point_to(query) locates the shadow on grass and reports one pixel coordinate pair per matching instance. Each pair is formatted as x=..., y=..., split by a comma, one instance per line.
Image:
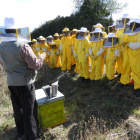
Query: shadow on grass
x=83, y=100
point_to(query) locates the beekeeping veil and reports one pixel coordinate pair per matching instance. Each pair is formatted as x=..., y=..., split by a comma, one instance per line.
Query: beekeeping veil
x=124, y=25
x=100, y=36
x=13, y=32
x=110, y=27
x=85, y=31
x=113, y=42
x=131, y=31
x=48, y=41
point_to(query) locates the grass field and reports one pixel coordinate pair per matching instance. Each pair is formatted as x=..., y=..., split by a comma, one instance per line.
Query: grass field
x=92, y=111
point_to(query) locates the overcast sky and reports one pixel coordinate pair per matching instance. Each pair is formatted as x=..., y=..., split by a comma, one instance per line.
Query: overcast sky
x=33, y=13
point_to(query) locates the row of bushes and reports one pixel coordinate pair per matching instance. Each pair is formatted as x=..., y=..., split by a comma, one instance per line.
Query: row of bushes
x=87, y=16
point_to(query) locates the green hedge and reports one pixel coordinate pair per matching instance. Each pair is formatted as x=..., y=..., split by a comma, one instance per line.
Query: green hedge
x=88, y=15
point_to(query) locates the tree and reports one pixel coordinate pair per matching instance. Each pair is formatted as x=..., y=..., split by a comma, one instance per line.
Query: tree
x=113, y=6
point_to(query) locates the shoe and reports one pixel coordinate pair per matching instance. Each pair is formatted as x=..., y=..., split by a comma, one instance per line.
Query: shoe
x=86, y=80
x=82, y=78
x=137, y=92
x=119, y=76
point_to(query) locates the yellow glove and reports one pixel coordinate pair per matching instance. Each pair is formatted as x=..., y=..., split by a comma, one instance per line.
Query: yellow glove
x=61, y=53
x=114, y=59
x=86, y=60
x=92, y=56
x=124, y=43
x=76, y=59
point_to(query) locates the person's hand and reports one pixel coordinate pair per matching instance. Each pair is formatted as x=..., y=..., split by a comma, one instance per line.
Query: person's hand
x=43, y=55
x=124, y=43
x=92, y=56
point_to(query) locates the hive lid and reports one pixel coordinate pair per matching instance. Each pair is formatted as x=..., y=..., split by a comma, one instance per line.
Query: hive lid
x=42, y=99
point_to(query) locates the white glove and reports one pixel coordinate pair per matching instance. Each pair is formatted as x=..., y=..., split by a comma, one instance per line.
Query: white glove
x=90, y=51
x=37, y=49
x=57, y=52
x=134, y=46
x=60, y=47
x=117, y=53
x=42, y=56
x=100, y=52
x=86, y=55
x=44, y=50
x=49, y=52
x=75, y=55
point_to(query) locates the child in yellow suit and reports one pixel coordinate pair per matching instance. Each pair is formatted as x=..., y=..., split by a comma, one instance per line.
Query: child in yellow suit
x=112, y=53
x=96, y=51
x=57, y=41
x=53, y=55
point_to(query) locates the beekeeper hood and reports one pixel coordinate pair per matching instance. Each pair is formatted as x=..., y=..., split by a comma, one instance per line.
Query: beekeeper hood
x=98, y=31
x=124, y=22
x=115, y=24
x=113, y=42
x=49, y=39
x=13, y=32
x=84, y=31
x=98, y=25
x=134, y=27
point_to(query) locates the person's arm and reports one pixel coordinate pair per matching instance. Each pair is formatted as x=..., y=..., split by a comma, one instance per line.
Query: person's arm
x=30, y=58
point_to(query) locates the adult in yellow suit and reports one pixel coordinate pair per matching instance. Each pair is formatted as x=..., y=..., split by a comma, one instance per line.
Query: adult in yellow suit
x=53, y=55
x=34, y=45
x=120, y=30
x=49, y=41
x=112, y=53
x=57, y=41
x=73, y=38
x=65, y=50
x=131, y=56
x=43, y=48
x=81, y=53
x=96, y=51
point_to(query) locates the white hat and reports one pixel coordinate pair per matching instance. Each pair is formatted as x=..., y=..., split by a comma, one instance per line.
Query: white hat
x=40, y=37
x=114, y=24
x=50, y=36
x=126, y=16
x=83, y=29
x=137, y=20
x=110, y=35
x=99, y=25
x=9, y=23
x=97, y=30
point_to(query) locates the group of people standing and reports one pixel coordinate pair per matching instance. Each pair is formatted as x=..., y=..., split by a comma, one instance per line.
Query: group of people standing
x=119, y=50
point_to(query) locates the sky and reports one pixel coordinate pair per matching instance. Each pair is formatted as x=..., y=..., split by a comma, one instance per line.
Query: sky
x=33, y=13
